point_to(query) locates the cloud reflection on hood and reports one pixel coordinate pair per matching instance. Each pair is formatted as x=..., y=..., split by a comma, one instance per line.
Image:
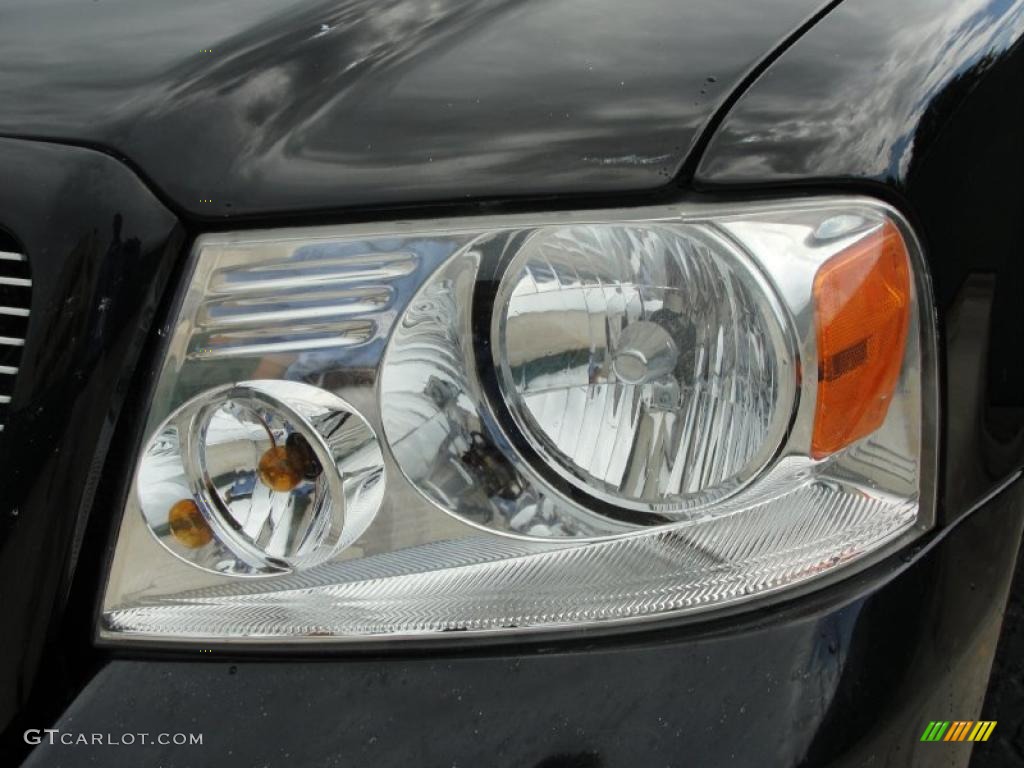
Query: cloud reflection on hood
x=858, y=86
x=307, y=104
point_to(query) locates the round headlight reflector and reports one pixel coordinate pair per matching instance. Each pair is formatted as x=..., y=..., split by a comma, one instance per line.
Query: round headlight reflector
x=261, y=477
x=648, y=365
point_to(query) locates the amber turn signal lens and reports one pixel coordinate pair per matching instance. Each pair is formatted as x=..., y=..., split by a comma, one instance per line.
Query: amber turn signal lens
x=188, y=525
x=862, y=312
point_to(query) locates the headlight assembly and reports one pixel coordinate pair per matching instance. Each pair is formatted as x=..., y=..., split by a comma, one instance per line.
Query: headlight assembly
x=528, y=422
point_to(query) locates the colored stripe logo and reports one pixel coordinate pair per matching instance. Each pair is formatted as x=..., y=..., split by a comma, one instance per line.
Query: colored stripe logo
x=959, y=730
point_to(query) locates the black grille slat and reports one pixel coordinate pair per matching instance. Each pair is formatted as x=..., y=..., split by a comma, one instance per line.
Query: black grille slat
x=10, y=356
x=13, y=326
x=15, y=299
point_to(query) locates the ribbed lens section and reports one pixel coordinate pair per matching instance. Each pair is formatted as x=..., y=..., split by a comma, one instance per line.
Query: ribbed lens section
x=644, y=363
x=729, y=559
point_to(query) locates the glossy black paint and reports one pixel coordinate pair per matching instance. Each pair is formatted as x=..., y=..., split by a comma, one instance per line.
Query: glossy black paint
x=101, y=250
x=863, y=93
x=919, y=102
x=850, y=677
x=922, y=102
x=271, y=107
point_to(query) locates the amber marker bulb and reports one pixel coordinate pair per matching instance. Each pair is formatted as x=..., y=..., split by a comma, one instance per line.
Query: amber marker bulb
x=278, y=470
x=188, y=525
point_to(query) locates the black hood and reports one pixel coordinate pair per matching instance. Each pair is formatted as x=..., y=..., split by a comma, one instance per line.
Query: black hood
x=259, y=106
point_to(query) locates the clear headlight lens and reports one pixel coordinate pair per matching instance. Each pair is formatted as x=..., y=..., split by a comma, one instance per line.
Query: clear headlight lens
x=527, y=422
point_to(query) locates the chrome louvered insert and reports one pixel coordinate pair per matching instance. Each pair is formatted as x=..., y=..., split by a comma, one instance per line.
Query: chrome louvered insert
x=298, y=301
x=15, y=299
